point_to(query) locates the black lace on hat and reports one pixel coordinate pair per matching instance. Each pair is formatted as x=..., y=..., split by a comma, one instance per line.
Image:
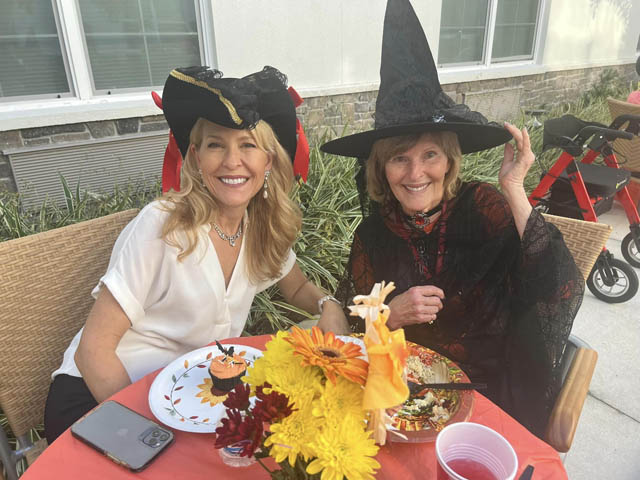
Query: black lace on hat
x=410, y=98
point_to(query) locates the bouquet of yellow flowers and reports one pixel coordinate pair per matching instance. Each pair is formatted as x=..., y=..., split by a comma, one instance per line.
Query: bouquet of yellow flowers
x=309, y=413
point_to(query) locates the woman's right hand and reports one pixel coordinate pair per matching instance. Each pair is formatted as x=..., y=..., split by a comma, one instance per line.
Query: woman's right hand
x=419, y=304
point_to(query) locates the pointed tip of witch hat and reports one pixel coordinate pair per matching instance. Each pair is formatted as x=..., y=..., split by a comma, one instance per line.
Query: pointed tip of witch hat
x=405, y=49
x=406, y=55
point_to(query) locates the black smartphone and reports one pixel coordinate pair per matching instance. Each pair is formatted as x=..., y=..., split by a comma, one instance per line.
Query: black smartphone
x=126, y=437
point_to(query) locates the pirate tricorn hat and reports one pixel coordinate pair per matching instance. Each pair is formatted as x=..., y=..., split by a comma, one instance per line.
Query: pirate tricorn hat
x=410, y=99
x=200, y=92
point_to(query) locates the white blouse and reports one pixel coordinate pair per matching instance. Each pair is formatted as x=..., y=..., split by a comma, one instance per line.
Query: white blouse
x=174, y=307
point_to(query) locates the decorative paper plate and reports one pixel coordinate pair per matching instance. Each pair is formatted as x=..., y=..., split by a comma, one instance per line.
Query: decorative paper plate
x=181, y=397
x=417, y=419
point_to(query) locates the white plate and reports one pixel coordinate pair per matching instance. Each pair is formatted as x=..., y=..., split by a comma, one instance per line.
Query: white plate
x=180, y=396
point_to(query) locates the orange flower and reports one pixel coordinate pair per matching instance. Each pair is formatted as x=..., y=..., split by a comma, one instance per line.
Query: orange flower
x=331, y=354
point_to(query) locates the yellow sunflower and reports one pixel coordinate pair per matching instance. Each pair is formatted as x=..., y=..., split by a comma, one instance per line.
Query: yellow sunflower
x=345, y=451
x=331, y=354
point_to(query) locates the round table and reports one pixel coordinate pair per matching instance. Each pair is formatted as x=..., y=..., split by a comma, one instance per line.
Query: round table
x=193, y=455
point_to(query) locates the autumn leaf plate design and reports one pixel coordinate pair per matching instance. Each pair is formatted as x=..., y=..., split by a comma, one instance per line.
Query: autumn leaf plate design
x=181, y=397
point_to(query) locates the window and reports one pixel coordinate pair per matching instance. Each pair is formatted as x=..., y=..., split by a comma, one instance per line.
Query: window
x=30, y=51
x=136, y=43
x=515, y=30
x=487, y=31
x=81, y=49
x=463, y=27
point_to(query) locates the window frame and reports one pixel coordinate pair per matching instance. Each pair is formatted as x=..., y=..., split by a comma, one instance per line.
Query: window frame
x=198, y=7
x=65, y=64
x=487, y=48
x=78, y=68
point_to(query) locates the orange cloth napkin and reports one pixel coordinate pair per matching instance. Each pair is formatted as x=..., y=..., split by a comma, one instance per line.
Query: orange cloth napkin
x=386, y=385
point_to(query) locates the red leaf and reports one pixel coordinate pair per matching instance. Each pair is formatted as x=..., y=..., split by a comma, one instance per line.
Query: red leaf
x=202, y=366
x=178, y=388
x=177, y=401
x=167, y=396
x=209, y=355
x=193, y=418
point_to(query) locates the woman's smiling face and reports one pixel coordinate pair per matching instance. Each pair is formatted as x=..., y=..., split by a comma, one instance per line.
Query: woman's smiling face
x=416, y=176
x=232, y=164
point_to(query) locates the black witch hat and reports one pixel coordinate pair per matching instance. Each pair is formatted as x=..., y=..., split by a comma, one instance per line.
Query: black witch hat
x=200, y=92
x=410, y=99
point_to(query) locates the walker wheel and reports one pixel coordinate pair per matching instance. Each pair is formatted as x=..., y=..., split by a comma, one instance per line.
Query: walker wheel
x=631, y=250
x=623, y=286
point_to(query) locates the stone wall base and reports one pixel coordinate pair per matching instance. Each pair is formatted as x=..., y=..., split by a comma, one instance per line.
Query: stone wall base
x=335, y=115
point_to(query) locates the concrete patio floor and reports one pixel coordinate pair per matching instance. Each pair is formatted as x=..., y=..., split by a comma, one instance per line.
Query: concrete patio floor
x=607, y=441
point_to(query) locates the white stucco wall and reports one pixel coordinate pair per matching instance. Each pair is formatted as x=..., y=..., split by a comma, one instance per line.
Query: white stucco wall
x=332, y=44
x=591, y=32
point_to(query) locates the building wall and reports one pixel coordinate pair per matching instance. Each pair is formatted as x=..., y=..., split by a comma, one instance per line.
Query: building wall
x=582, y=32
x=332, y=115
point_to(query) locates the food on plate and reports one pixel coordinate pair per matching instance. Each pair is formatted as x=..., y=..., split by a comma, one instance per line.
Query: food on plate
x=428, y=408
x=227, y=369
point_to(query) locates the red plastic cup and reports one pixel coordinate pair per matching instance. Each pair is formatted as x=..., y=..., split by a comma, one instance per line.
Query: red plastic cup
x=470, y=451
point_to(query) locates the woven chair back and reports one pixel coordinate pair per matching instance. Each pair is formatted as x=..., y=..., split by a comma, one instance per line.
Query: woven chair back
x=627, y=151
x=45, y=297
x=583, y=239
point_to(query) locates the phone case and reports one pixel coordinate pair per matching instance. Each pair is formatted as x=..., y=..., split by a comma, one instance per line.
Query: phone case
x=126, y=437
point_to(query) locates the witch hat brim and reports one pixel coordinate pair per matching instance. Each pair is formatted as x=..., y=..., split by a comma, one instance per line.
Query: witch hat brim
x=410, y=99
x=472, y=138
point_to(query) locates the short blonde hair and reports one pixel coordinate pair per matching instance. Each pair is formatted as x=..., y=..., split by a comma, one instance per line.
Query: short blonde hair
x=274, y=222
x=386, y=148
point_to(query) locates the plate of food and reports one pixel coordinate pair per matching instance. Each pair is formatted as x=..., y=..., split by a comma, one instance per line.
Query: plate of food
x=188, y=393
x=429, y=410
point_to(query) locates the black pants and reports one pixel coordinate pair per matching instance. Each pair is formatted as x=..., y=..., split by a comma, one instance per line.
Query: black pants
x=69, y=399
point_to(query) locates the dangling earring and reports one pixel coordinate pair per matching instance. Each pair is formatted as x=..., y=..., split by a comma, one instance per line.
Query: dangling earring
x=265, y=194
x=201, y=179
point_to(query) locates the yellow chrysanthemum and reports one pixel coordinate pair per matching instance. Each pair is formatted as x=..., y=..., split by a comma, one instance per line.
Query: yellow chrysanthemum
x=292, y=436
x=340, y=400
x=345, y=451
x=280, y=368
x=332, y=355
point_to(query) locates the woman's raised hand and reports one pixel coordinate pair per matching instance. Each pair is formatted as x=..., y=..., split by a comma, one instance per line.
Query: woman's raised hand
x=517, y=161
x=419, y=304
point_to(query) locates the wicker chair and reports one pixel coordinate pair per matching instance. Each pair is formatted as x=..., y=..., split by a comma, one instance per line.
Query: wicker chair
x=585, y=241
x=44, y=300
x=629, y=150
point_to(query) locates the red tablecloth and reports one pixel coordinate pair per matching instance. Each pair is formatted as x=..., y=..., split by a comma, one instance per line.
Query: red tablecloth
x=193, y=456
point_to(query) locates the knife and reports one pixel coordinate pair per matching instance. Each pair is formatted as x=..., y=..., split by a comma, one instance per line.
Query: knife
x=417, y=387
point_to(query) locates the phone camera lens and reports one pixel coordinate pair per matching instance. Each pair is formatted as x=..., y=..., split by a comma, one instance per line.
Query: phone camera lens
x=163, y=437
x=155, y=433
x=153, y=441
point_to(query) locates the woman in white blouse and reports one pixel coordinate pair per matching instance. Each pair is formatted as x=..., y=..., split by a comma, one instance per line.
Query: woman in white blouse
x=185, y=271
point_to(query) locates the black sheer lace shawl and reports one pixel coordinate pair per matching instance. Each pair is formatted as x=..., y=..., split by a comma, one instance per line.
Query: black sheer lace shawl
x=509, y=305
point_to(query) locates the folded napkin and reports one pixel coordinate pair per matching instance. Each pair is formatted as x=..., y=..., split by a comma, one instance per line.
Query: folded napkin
x=386, y=385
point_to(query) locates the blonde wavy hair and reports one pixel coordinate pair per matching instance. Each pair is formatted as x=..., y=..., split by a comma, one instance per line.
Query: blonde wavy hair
x=274, y=222
x=387, y=148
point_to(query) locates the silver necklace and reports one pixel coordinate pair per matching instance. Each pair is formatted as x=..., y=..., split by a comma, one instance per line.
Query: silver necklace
x=231, y=239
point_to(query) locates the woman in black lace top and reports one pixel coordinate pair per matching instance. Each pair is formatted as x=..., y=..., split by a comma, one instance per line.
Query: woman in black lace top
x=480, y=276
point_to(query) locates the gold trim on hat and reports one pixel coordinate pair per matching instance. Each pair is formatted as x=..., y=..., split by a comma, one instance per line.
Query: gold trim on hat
x=198, y=83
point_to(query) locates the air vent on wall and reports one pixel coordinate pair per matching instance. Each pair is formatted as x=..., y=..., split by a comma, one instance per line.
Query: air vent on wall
x=98, y=165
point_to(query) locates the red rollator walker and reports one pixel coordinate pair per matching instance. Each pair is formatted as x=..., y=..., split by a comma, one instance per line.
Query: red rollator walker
x=579, y=189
